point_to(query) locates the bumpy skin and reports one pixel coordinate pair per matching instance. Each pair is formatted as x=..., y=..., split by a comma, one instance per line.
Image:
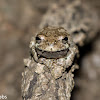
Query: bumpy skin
x=45, y=78
x=54, y=47
x=77, y=18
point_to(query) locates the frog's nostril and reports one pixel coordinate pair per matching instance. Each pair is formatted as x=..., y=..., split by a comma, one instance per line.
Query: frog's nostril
x=51, y=49
x=51, y=46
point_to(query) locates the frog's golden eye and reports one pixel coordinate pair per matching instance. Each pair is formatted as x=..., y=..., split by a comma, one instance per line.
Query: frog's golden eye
x=65, y=40
x=38, y=40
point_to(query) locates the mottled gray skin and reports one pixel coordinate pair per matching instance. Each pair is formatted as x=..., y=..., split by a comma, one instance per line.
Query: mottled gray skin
x=54, y=47
x=77, y=18
x=45, y=77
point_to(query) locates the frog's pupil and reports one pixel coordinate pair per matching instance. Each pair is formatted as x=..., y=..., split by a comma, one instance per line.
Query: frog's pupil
x=65, y=40
x=38, y=40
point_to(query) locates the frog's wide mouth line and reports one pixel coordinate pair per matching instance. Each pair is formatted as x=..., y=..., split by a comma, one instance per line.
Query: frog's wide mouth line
x=50, y=54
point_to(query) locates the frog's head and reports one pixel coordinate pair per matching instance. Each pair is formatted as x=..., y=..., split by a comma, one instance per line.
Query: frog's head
x=52, y=42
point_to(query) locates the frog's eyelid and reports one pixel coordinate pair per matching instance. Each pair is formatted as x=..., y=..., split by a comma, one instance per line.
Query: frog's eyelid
x=41, y=37
x=60, y=37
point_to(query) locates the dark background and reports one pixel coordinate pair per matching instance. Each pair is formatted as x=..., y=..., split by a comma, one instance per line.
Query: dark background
x=19, y=20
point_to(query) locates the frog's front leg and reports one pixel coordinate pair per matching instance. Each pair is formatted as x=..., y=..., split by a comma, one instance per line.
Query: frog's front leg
x=32, y=49
x=73, y=51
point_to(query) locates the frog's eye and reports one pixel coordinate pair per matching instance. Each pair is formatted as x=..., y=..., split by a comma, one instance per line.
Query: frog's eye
x=38, y=40
x=65, y=40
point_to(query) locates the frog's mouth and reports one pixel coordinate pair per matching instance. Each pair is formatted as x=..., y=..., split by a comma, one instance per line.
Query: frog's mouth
x=52, y=55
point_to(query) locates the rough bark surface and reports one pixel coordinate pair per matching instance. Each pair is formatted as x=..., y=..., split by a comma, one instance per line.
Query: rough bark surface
x=38, y=83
